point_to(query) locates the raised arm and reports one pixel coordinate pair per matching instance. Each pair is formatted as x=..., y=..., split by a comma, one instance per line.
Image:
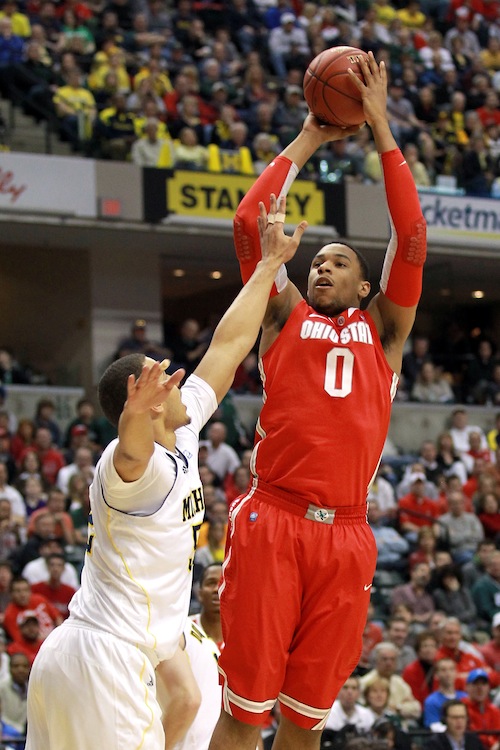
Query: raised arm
x=394, y=308
x=277, y=179
x=238, y=330
x=145, y=396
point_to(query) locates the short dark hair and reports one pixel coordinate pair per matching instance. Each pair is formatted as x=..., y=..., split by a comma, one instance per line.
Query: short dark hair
x=449, y=704
x=206, y=569
x=363, y=263
x=112, y=388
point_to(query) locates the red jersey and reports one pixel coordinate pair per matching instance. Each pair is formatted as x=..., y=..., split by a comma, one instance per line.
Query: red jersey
x=47, y=616
x=482, y=719
x=59, y=597
x=328, y=391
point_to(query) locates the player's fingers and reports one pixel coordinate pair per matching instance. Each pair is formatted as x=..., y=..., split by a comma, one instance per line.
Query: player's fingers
x=372, y=63
x=355, y=79
x=299, y=231
x=174, y=379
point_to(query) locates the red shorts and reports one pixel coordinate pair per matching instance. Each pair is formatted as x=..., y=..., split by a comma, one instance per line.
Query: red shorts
x=294, y=598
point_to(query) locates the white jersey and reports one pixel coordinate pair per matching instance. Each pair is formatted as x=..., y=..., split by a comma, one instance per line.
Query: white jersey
x=203, y=655
x=136, y=581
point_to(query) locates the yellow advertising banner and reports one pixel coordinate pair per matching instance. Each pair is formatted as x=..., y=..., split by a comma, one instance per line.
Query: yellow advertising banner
x=216, y=196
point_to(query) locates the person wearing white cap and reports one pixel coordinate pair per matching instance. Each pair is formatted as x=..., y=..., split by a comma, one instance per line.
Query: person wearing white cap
x=287, y=43
x=416, y=509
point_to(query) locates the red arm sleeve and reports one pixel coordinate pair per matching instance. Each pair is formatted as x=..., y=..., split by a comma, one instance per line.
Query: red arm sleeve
x=276, y=178
x=401, y=279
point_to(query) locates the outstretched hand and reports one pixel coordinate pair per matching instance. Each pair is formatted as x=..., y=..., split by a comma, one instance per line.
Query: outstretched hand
x=274, y=242
x=151, y=388
x=324, y=132
x=374, y=90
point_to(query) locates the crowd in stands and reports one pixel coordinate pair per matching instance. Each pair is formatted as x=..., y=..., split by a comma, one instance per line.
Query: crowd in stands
x=433, y=631
x=217, y=85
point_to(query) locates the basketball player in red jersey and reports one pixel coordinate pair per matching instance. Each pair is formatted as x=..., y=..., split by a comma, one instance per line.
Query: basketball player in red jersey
x=301, y=556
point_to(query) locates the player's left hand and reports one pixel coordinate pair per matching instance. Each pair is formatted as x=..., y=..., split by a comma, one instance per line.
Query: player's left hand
x=326, y=132
x=374, y=90
x=275, y=244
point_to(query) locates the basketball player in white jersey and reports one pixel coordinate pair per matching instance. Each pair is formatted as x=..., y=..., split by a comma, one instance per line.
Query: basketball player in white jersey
x=93, y=682
x=203, y=654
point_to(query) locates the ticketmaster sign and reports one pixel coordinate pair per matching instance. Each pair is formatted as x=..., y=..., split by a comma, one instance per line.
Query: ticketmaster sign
x=455, y=220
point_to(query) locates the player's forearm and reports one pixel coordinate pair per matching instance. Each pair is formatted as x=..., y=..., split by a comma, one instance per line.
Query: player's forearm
x=276, y=178
x=135, y=433
x=241, y=323
x=401, y=279
x=382, y=135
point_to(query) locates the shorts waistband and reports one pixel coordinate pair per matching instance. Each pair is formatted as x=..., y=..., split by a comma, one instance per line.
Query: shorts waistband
x=349, y=514
x=76, y=622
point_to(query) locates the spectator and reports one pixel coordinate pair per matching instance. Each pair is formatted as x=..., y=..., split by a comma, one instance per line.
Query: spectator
x=30, y=467
x=462, y=530
x=347, y=712
x=44, y=528
x=218, y=513
x=473, y=570
x=189, y=153
x=431, y=381
x=488, y=509
x=453, y=598
x=53, y=589
x=34, y=495
x=83, y=464
x=431, y=386
x=23, y=439
x=428, y=458
x=37, y=571
x=451, y=647
x=426, y=547
x=454, y=716
x=478, y=169
x=51, y=458
x=392, y=547
x=382, y=491
x=415, y=509
x=492, y=437
x=213, y=550
x=449, y=459
x=76, y=109
x=478, y=372
x=10, y=532
x=29, y=641
x=138, y=342
x=476, y=451
x=402, y=119
x=445, y=673
x=13, y=693
x=11, y=371
x=401, y=699
x=187, y=345
x=419, y=674
x=22, y=600
x=414, y=359
x=405, y=485
x=56, y=503
x=221, y=458
x=483, y=715
x=79, y=438
x=397, y=632
x=376, y=698
x=461, y=429
x=491, y=649
x=372, y=634
x=288, y=44
x=13, y=496
x=486, y=590
x=114, y=130
x=150, y=148
x=415, y=596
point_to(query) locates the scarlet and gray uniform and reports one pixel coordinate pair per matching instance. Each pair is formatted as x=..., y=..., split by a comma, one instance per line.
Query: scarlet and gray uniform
x=301, y=556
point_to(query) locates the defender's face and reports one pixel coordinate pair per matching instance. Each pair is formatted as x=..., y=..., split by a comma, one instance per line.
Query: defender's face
x=334, y=281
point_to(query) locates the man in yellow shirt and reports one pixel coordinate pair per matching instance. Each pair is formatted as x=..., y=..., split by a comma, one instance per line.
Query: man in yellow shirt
x=76, y=109
x=20, y=22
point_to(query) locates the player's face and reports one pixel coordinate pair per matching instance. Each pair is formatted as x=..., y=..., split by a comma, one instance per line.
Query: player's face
x=173, y=410
x=334, y=281
x=209, y=589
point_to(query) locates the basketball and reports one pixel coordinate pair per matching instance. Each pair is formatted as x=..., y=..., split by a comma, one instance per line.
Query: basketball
x=328, y=90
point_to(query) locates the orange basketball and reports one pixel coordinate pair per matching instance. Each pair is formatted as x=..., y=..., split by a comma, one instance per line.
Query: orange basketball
x=328, y=89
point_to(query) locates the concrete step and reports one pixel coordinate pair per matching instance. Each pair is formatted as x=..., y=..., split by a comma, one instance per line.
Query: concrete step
x=26, y=135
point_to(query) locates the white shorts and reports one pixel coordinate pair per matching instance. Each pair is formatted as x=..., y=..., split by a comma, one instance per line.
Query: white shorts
x=88, y=689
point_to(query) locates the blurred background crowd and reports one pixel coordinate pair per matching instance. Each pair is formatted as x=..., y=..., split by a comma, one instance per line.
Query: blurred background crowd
x=216, y=85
